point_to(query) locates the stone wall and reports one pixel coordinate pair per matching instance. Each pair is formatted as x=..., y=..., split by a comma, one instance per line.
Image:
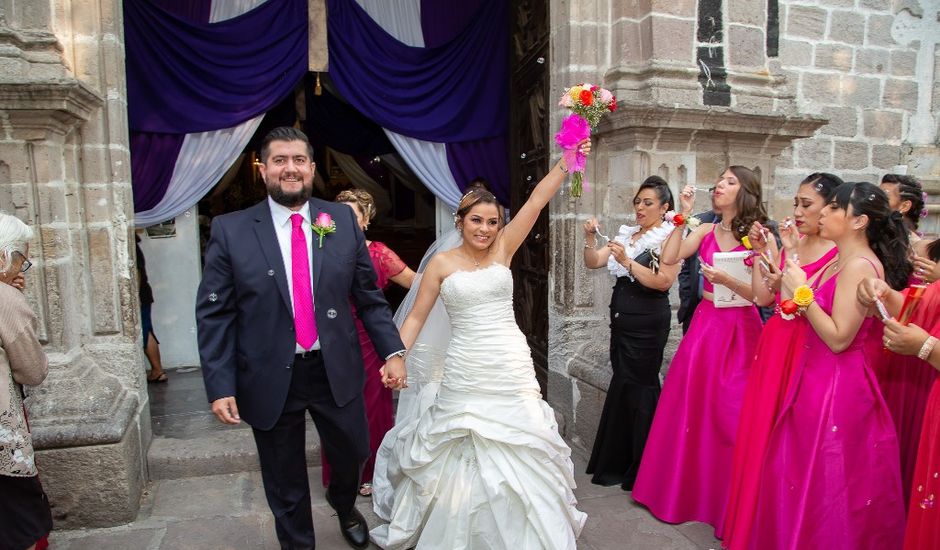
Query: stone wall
x=65, y=170
x=870, y=67
x=816, y=85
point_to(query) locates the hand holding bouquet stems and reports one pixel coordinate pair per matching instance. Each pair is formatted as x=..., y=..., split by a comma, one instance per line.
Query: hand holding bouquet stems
x=588, y=104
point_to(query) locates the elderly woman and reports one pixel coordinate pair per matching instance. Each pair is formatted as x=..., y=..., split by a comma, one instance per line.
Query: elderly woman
x=25, y=517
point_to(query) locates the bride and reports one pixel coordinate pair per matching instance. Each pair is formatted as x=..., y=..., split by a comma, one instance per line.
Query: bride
x=475, y=459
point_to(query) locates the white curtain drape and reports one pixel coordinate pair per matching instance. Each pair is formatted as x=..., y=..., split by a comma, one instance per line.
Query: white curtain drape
x=428, y=160
x=205, y=156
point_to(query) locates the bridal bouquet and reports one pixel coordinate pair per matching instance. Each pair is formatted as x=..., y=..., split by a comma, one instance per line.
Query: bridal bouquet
x=588, y=103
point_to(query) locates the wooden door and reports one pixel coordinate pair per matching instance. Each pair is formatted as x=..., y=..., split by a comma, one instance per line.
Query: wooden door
x=529, y=159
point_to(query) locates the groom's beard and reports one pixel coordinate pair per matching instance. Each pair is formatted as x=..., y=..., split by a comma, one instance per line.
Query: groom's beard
x=290, y=199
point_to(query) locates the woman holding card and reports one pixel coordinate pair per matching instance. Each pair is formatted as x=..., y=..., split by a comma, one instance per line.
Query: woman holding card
x=770, y=375
x=685, y=471
x=831, y=475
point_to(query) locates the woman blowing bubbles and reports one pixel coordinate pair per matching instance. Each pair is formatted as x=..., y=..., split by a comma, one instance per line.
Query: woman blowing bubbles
x=686, y=467
x=639, y=328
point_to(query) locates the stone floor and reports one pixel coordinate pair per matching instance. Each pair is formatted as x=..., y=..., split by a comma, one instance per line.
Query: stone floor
x=208, y=496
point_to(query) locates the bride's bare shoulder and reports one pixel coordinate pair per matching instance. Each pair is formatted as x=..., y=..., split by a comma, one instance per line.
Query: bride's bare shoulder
x=441, y=265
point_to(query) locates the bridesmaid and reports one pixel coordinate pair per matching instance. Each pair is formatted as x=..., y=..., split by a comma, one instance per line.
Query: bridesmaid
x=378, y=399
x=686, y=467
x=639, y=327
x=905, y=196
x=917, y=344
x=831, y=478
x=906, y=381
x=770, y=375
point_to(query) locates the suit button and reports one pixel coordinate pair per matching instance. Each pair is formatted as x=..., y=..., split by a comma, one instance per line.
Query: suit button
x=288, y=366
x=270, y=273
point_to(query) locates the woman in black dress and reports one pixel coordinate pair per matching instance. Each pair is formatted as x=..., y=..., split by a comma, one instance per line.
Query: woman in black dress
x=640, y=318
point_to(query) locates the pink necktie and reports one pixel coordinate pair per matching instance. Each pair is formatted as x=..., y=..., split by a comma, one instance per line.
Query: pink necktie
x=304, y=323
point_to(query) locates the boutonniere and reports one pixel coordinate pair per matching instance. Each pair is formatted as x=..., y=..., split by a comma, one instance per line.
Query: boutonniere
x=322, y=226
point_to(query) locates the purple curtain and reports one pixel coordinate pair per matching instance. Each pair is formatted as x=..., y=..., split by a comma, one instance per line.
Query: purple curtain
x=153, y=158
x=186, y=77
x=198, y=11
x=453, y=92
x=483, y=158
x=441, y=22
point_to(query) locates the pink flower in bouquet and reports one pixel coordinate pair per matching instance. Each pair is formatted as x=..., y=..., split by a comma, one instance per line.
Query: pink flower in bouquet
x=574, y=130
x=566, y=101
x=605, y=96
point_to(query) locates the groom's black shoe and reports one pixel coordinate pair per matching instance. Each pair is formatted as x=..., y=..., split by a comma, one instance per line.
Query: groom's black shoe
x=353, y=526
x=354, y=529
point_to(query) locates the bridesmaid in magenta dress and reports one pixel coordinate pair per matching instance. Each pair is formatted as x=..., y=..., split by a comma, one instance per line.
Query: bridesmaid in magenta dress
x=831, y=476
x=686, y=466
x=906, y=381
x=918, y=342
x=771, y=370
x=378, y=399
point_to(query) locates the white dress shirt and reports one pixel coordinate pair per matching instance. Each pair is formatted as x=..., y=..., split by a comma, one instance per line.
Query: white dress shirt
x=283, y=228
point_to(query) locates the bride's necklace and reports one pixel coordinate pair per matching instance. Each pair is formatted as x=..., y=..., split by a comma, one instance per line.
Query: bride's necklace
x=476, y=263
x=722, y=225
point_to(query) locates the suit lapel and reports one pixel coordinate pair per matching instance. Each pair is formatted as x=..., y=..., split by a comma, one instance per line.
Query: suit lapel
x=317, y=253
x=267, y=238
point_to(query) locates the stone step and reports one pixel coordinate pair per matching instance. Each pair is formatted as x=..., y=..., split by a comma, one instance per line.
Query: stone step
x=222, y=451
x=188, y=441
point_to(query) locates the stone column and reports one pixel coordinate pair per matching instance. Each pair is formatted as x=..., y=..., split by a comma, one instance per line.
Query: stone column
x=66, y=172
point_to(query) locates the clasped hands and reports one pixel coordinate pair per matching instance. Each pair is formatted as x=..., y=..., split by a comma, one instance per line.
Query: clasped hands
x=394, y=374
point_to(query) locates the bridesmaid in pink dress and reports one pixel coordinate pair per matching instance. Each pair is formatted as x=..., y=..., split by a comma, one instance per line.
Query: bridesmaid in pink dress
x=685, y=470
x=918, y=342
x=378, y=399
x=906, y=381
x=831, y=477
x=770, y=375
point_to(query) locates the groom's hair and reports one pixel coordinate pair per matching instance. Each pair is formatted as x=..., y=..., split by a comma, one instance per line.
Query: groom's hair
x=474, y=197
x=284, y=133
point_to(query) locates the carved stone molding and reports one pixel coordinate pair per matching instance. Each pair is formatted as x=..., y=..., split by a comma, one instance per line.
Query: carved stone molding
x=42, y=110
x=684, y=128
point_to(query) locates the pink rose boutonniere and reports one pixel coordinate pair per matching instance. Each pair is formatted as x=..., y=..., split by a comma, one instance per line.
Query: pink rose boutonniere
x=322, y=226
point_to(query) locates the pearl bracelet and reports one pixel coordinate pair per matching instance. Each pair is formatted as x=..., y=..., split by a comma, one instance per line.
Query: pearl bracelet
x=927, y=348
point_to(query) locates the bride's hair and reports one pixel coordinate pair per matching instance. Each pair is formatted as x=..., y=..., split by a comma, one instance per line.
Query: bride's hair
x=474, y=197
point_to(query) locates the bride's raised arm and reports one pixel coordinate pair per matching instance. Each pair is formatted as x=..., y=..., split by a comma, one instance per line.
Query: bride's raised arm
x=428, y=290
x=515, y=232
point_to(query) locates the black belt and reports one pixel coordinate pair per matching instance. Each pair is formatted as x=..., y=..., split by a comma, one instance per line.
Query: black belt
x=308, y=354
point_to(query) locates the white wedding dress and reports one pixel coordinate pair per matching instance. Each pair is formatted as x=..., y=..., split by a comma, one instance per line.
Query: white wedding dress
x=479, y=464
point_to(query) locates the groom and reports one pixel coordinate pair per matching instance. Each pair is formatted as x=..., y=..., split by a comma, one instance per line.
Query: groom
x=277, y=338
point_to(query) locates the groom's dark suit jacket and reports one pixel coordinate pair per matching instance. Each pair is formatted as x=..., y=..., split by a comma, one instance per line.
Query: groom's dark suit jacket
x=245, y=318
